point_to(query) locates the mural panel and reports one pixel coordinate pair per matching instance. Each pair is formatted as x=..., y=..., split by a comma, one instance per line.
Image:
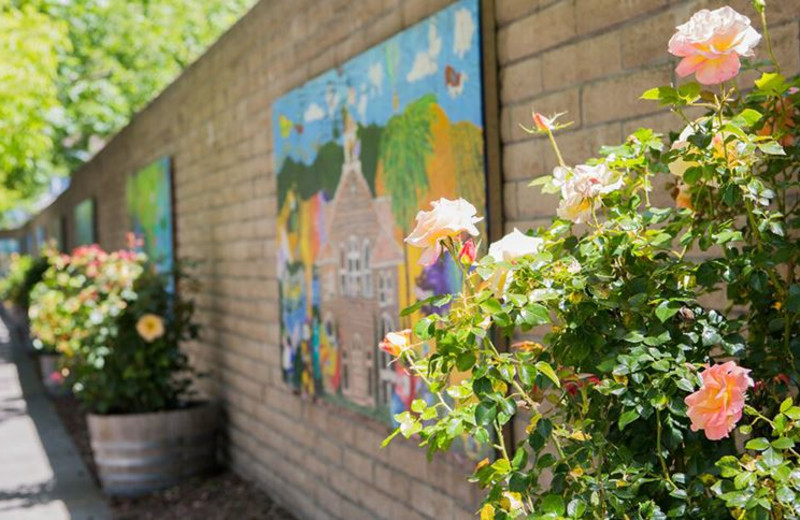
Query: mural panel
x=9, y=247
x=84, y=223
x=56, y=232
x=149, y=200
x=358, y=151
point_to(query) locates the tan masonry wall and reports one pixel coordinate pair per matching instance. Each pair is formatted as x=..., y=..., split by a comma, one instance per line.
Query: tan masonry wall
x=592, y=58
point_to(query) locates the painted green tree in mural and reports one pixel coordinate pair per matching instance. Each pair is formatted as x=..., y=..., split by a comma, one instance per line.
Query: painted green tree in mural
x=406, y=143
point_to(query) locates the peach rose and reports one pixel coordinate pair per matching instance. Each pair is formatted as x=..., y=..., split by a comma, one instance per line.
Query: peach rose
x=395, y=343
x=580, y=186
x=718, y=405
x=447, y=219
x=711, y=43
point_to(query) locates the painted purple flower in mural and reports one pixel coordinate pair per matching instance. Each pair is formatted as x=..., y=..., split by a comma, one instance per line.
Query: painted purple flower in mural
x=440, y=278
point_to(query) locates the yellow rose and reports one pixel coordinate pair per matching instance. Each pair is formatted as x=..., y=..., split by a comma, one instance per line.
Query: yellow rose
x=150, y=327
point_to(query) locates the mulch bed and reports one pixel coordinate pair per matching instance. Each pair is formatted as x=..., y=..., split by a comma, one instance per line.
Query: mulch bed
x=222, y=496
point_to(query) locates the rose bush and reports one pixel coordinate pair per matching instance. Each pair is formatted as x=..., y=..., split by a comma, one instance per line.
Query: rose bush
x=23, y=274
x=118, y=325
x=641, y=336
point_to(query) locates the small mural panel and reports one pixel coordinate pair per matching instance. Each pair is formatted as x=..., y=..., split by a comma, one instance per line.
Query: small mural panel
x=358, y=151
x=41, y=237
x=56, y=232
x=84, y=223
x=8, y=248
x=149, y=202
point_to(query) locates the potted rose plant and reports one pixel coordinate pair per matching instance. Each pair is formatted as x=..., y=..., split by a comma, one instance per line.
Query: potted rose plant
x=654, y=348
x=119, y=325
x=24, y=273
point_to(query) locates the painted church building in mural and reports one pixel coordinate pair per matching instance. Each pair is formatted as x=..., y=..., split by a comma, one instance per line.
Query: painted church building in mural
x=360, y=265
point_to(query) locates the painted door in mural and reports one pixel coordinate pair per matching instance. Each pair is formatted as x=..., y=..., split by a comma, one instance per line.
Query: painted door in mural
x=358, y=151
x=149, y=201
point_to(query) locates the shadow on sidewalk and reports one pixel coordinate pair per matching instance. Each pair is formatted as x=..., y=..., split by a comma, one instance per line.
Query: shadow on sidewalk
x=54, y=486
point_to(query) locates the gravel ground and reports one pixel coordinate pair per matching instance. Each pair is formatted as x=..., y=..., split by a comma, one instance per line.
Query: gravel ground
x=219, y=497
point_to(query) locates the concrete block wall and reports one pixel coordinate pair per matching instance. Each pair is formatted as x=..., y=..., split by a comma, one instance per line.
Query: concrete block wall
x=592, y=58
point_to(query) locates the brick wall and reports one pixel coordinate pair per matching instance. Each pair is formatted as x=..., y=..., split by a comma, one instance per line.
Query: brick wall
x=592, y=58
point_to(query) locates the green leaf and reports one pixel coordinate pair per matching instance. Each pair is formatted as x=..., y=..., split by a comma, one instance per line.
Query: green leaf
x=748, y=117
x=539, y=181
x=576, y=508
x=465, y=361
x=772, y=458
x=535, y=314
x=758, y=444
x=786, y=404
x=667, y=309
x=548, y=371
x=418, y=405
x=783, y=443
x=771, y=82
x=771, y=148
x=553, y=504
x=485, y=413
x=626, y=418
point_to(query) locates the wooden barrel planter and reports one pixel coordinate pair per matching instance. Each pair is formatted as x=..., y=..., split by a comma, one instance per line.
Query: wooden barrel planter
x=137, y=454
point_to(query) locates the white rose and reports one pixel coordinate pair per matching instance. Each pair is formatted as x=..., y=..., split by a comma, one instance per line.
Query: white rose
x=447, y=219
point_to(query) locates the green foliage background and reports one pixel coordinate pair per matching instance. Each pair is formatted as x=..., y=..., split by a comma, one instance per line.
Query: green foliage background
x=73, y=73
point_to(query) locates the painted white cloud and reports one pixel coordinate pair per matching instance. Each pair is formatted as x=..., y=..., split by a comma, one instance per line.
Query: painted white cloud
x=425, y=62
x=375, y=75
x=464, y=31
x=362, y=106
x=313, y=113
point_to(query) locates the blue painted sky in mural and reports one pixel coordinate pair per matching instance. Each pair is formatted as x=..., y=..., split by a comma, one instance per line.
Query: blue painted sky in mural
x=437, y=55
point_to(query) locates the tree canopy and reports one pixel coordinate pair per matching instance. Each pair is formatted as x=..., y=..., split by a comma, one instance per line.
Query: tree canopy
x=73, y=73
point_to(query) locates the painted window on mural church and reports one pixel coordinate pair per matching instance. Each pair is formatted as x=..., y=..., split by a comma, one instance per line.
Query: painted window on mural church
x=359, y=151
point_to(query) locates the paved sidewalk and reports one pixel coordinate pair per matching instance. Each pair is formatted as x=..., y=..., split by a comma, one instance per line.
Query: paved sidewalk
x=42, y=477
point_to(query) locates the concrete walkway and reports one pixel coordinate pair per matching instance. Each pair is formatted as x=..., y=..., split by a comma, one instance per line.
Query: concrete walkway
x=42, y=476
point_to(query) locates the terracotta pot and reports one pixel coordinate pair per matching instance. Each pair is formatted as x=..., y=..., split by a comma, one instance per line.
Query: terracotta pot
x=137, y=454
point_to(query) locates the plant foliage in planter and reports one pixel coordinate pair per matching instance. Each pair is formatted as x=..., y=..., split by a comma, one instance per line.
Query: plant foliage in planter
x=630, y=381
x=23, y=274
x=119, y=326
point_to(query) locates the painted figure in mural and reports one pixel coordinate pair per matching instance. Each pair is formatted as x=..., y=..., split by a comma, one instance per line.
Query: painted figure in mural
x=358, y=151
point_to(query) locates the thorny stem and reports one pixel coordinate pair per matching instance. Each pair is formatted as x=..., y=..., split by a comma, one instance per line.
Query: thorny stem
x=555, y=147
x=658, y=448
x=769, y=41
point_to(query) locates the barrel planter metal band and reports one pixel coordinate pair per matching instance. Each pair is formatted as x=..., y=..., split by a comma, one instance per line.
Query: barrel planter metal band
x=140, y=453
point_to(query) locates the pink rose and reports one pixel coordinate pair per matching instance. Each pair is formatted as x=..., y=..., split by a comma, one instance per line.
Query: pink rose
x=711, y=43
x=395, y=343
x=468, y=252
x=447, y=219
x=718, y=405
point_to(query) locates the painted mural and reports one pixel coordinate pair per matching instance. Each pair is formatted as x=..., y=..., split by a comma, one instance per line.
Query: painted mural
x=358, y=151
x=84, y=223
x=149, y=201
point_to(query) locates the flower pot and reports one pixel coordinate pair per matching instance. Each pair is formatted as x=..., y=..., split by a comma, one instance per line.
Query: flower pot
x=52, y=380
x=137, y=454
